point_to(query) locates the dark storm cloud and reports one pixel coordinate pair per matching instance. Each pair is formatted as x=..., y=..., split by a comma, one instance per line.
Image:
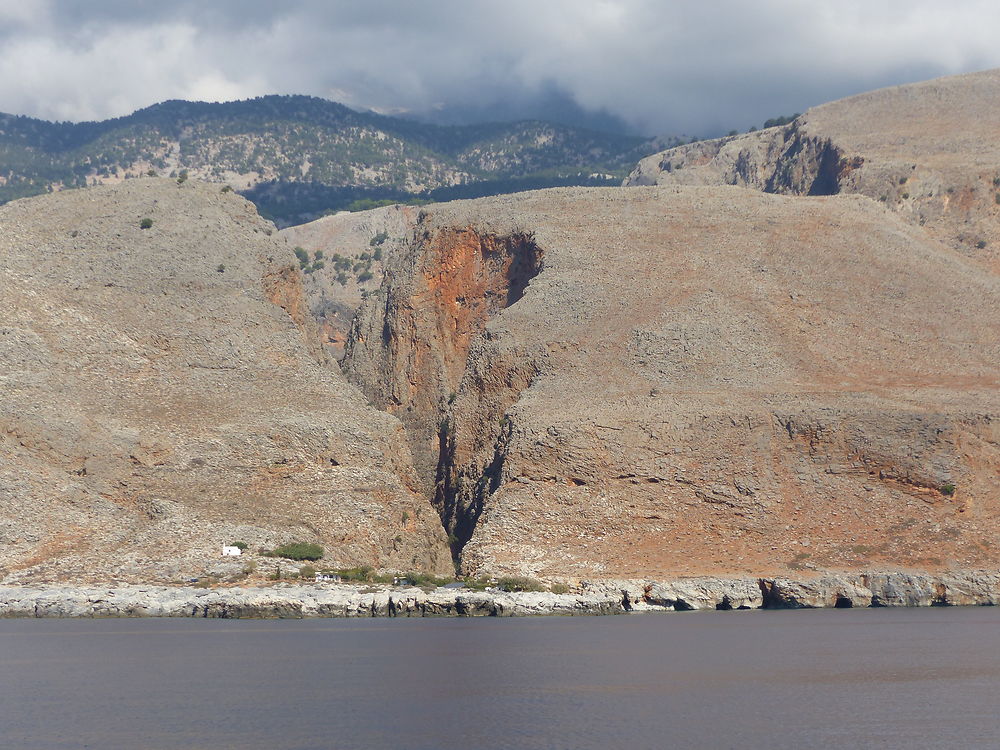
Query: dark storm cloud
x=663, y=67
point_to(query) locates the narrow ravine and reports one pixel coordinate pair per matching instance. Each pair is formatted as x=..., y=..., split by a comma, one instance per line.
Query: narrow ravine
x=420, y=348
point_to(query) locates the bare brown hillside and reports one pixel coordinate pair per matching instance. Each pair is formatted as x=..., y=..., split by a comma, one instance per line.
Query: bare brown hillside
x=928, y=151
x=164, y=393
x=653, y=382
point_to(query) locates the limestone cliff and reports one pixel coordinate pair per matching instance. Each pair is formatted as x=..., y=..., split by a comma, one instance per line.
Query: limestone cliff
x=691, y=380
x=165, y=393
x=928, y=151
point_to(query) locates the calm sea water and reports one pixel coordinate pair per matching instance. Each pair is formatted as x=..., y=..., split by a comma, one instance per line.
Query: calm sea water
x=927, y=678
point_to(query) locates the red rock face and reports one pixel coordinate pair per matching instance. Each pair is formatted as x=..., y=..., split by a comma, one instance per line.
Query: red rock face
x=698, y=381
x=467, y=280
x=411, y=358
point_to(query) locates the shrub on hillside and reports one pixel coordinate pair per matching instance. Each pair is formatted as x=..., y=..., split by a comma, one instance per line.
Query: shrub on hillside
x=298, y=551
x=517, y=583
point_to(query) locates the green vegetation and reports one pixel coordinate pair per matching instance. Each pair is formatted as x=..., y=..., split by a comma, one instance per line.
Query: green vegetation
x=357, y=160
x=360, y=266
x=307, y=265
x=363, y=574
x=296, y=551
x=366, y=204
x=559, y=588
x=782, y=120
x=948, y=489
x=478, y=584
x=241, y=546
x=518, y=583
x=426, y=579
x=145, y=223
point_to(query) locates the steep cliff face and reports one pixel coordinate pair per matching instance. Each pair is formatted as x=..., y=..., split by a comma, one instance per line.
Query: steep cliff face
x=164, y=393
x=696, y=381
x=784, y=160
x=420, y=349
x=344, y=259
x=927, y=151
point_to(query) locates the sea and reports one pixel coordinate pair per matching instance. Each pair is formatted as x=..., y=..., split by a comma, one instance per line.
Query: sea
x=850, y=678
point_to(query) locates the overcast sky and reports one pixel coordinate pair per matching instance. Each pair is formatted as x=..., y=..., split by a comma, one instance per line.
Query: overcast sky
x=696, y=67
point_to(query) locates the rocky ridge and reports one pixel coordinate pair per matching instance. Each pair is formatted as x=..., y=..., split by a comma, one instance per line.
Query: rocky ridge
x=927, y=151
x=688, y=395
x=165, y=392
x=666, y=382
x=298, y=157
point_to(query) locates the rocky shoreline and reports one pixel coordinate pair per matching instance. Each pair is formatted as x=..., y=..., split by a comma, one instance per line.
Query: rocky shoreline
x=871, y=589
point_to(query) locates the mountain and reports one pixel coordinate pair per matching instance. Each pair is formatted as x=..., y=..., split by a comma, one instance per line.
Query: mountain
x=164, y=394
x=927, y=151
x=785, y=379
x=297, y=157
x=654, y=382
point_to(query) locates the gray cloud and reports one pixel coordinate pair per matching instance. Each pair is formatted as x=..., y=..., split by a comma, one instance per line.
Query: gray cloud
x=662, y=67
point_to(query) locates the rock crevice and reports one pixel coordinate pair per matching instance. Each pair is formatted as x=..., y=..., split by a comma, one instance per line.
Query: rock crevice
x=421, y=348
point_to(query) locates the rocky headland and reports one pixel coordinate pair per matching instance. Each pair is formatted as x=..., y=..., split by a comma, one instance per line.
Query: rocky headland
x=926, y=151
x=779, y=391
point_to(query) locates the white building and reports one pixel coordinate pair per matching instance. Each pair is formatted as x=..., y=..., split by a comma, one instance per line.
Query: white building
x=228, y=551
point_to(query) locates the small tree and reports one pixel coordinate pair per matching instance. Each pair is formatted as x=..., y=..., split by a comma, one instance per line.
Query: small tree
x=299, y=551
x=145, y=223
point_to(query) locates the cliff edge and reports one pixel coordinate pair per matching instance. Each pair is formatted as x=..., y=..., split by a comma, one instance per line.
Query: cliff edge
x=928, y=151
x=669, y=381
x=165, y=393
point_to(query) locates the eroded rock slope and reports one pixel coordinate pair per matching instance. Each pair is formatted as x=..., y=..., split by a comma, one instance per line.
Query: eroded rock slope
x=164, y=392
x=929, y=151
x=658, y=382
x=344, y=259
